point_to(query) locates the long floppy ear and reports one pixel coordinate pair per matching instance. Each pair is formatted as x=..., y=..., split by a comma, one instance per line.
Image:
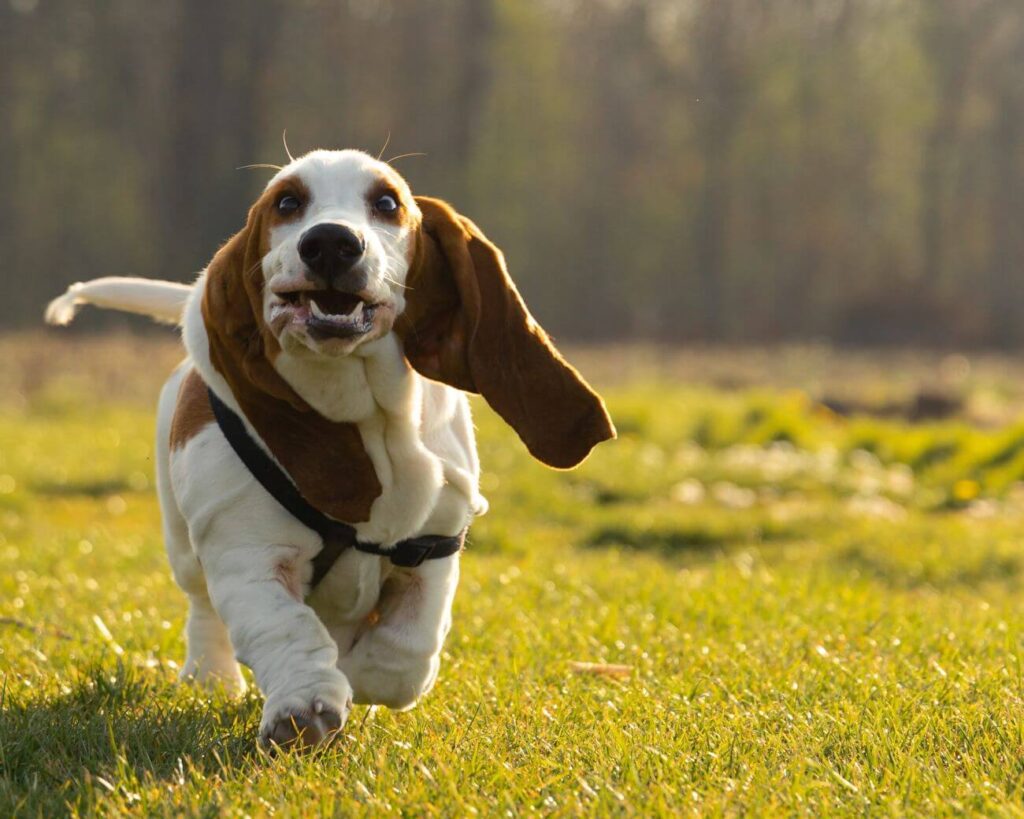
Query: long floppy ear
x=241, y=345
x=465, y=324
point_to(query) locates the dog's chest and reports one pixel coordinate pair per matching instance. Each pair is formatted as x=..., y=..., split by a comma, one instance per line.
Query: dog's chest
x=383, y=397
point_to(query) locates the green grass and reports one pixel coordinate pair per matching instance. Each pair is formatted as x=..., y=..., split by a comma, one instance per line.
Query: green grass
x=821, y=615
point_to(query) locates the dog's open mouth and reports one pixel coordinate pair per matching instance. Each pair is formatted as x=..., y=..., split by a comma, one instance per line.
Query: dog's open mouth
x=330, y=313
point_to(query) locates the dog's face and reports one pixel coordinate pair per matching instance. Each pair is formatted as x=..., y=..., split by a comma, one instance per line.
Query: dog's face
x=337, y=253
x=340, y=229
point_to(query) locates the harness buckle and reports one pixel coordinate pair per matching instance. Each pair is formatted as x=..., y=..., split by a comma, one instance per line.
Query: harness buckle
x=411, y=553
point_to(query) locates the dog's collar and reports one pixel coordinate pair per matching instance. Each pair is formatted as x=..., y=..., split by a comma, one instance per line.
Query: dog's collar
x=337, y=536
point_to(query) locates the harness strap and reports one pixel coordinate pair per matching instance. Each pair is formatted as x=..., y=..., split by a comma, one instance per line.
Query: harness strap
x=337, y=536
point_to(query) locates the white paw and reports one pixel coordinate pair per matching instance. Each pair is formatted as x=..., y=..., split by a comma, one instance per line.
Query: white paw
x=307, y=715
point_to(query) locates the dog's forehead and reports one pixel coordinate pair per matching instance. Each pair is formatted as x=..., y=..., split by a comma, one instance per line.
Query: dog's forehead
x=340, y=176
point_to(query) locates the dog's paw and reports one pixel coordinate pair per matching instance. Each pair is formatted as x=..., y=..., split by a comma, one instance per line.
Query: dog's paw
x=301, y=721
x=304, y=729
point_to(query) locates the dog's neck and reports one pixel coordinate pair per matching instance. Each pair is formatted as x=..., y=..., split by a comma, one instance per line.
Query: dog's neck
x=374, y=378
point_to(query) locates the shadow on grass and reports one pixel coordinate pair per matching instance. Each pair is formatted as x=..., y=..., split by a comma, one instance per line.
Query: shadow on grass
x=89, y=489
x=940, y=575
x=113, y=724
x=683, y=539
x=604, y=494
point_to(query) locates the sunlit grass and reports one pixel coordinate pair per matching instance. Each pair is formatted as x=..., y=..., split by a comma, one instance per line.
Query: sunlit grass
x=821, y=615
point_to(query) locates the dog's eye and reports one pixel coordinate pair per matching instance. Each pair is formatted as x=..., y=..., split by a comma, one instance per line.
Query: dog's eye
x=288, y=204
x=386, y=204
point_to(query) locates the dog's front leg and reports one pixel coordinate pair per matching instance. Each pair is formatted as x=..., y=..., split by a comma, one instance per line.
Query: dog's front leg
x=257, y=591
x=395, y=659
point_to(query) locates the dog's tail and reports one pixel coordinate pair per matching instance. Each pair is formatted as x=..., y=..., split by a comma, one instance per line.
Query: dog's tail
x=163, y=301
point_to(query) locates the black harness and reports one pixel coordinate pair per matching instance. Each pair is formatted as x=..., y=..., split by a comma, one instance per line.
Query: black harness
x=337, y=536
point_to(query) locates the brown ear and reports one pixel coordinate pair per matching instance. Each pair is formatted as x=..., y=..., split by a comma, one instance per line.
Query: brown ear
x=465, y=324
x=241, y=345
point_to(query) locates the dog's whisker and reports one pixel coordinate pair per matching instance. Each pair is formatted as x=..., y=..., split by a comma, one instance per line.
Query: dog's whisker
x=383, y=232
x=384, y=147
x=389, y=280
x=403, y=156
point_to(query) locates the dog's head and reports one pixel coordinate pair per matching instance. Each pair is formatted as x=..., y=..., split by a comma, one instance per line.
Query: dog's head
x=337, y=252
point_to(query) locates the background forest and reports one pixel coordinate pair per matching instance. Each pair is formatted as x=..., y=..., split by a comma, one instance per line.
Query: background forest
x=737, y=170
x=792, y=586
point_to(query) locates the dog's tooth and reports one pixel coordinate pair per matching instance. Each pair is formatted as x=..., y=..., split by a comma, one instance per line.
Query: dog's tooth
x=316, y=309
x=357, y=314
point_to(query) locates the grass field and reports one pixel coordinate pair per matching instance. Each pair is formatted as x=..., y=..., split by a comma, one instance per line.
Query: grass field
x=820, y=613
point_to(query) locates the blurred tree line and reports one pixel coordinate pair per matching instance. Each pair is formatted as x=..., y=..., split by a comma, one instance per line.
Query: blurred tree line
x=668, y=169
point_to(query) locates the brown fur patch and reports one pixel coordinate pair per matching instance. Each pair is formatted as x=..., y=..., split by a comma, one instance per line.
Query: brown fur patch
x=325, y=459
x=192, y=412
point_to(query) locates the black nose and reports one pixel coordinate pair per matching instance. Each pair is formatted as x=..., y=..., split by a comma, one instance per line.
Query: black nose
x=330, y=250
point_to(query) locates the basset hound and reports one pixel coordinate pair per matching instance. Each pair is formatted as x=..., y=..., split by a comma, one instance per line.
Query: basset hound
x=337, y=333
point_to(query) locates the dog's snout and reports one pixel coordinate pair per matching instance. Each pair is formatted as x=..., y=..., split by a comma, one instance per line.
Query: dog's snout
x=329, y=250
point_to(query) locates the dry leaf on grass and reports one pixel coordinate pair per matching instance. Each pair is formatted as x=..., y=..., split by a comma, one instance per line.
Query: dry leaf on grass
x=601, y=669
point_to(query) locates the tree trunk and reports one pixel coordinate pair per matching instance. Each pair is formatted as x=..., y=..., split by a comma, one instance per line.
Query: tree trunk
x=1006, y=267
x=473, y=83
x=184, y=164
x=947, y=42
x=718, y=114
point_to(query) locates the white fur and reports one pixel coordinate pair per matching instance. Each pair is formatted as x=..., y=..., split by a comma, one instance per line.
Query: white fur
x=162, y=301
x=240, y=557
x=338, y=183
